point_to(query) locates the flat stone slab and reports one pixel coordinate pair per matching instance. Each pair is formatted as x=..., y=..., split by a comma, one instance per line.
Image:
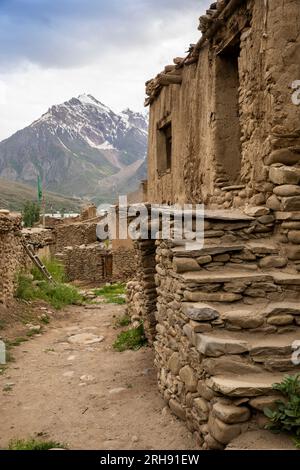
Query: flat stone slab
x=217, y=214
x=230, y=215
x=206, y=250
x=211, y=296
x=285, y=308
x=260, y=248
x=226, y=276
x=200, y=311
x=213, y=346
x=244, y=318
x=248, y=386
x=257, y=211
x=286, y=279
x=85, y=339
x=283, y=215
x=234, y=187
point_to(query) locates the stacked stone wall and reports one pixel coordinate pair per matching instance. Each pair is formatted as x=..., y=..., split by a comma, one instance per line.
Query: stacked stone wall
x=11, y=255
x=124, y=264
x=226, y=318
x=75, y=234
x=90, y=263
x=141, y=291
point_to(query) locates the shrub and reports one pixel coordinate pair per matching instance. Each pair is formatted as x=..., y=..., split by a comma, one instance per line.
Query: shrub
x=30, y=213
x=132, y=339
x=123, y=321
x=25, y=289
x=286, y=415
x=58, y=296
x=33, y=444
x=113, y=294
x=55, y=268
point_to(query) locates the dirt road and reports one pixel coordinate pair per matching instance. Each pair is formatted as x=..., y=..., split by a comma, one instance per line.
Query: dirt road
x=70, y=386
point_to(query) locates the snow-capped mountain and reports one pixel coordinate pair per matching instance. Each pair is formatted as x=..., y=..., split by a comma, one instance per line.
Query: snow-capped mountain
x=80, y=148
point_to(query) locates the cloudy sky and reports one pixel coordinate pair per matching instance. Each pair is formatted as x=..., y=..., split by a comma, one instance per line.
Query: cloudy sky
x=51, y=50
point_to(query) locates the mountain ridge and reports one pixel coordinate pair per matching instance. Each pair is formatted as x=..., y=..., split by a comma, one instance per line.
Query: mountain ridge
x=13, y=195
x=75, y=147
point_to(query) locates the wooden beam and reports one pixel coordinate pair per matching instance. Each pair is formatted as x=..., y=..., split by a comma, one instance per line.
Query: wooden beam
x=169, y=79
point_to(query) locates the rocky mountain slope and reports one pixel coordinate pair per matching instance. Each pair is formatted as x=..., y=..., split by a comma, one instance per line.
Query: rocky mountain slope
x=81, y=148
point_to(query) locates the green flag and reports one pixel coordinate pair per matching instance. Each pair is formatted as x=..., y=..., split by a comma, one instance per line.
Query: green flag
x=40, y=190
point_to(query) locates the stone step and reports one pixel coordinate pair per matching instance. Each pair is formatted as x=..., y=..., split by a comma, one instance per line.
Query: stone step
x=283, y=308
x=276, y=314
x=265, y=247
x=257, y=345
x=215, y=247
x=227, y=215
x=226, y=276
x=283, y=278
x=252, y=385
x=248, y=317
x=208, y=249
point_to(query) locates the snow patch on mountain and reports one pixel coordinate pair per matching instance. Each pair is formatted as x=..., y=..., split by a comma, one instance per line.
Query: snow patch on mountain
x=75, y=144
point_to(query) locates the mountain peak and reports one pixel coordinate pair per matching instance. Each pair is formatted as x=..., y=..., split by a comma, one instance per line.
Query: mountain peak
x=81, y=147
x=89, y=100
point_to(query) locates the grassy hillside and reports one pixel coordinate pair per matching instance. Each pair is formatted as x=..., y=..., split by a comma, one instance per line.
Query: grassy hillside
x=13, y=196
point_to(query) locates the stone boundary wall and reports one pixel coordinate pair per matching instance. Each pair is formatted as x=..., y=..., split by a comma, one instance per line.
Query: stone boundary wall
x=11, y=255
x=89, y=263
x=225, y=319
x=39, y=237
x=124, y=264
x=224, y=336
x=141, y=291
x=74, y=234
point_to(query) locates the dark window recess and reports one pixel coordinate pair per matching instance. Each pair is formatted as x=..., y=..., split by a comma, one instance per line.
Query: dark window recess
x=228, y=129
x=164, y=148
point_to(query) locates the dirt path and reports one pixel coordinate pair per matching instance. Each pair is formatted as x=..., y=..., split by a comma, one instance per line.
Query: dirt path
x=86, y=395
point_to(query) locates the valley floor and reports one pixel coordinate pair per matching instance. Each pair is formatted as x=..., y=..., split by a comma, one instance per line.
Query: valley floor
x=83, y=394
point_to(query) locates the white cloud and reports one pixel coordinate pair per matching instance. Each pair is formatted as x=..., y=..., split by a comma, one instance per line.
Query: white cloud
x=113, y=71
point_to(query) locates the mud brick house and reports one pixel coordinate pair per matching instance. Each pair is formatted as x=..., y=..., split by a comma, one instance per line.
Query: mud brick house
x=225, y=131
x=223, y=116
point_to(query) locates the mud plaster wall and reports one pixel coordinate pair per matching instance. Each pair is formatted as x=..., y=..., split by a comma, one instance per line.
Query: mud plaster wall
x=269, y=62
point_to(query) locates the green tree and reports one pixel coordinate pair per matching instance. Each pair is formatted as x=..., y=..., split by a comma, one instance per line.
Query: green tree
x=30, y=213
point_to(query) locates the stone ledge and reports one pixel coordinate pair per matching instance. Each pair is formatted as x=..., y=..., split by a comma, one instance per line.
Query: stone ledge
x=227, y=276
x=250, y=386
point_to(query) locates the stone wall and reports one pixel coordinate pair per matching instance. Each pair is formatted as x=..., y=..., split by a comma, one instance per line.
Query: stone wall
x=11, y=255
x=141, y=290
x=225, y=132
x=38, y=237
x=90, y=263
x=124, y=263
x=235, y=133
x=74, y=234
x=226, y=318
